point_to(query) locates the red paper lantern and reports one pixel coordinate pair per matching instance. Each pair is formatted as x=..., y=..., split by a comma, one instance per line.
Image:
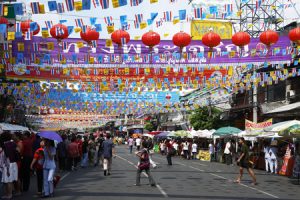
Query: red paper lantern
x=120, y=37
x=241, y=39
x=151, y=39
x=269, y=37
x=59, y=36
x=211, y=39
x=89, y=35
x=3, y=20
x=294, y=35
x=181, y=39
x=25, y=26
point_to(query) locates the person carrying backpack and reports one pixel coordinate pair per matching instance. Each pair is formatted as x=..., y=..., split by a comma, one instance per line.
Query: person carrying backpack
x=144, y=164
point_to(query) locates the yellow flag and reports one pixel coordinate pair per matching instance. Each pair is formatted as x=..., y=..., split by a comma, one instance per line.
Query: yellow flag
x=77, y=29
x=168, y=69
x=42, y=8
x=37, y=61
x=143, y=25
x=108, y=43
x=176, y=20
x=10, y=35
x=153, y=1
x=147, y=70
x=239, y=13
x=45, y=33
x=5, y=11
x=20, y=46
x=12, y=60
x=50, y=45
x=137, y=37
x=78, y=5
x=110, y=29
x=79, y=44
x=230, y=71
x=115, y=3
x=92, y=60
x=126, y=70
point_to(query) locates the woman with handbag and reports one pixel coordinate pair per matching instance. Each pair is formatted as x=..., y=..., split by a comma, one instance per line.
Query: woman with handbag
x=144, y=164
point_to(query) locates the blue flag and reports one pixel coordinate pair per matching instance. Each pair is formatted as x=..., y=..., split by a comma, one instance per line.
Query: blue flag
x=52, y=5
x=3, y=28
x=70, y=29
x=33, y=26
x=18, y=8
x=182, y=14
x=98, y=27
x=47, y=57
x=93, y=20
x=153, y=16
x=62, y=21
x=213, y=9
x=122, y=2
x=123, y=19
x=149, y=21
x=20, y=56
x=86, y=4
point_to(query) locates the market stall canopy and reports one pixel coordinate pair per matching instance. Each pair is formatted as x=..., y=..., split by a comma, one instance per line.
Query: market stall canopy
x=181, y=133
x=293, y=131
x=12, y=127
x=281, y=126
x=203, y=133
x=227, y=131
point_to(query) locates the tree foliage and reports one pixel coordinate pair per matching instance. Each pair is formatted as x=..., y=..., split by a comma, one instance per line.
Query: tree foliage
x=149, y=126
x=206, y=118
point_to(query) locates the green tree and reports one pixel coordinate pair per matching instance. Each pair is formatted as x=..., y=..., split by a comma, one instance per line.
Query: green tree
x=149, y=126
x=206, y=118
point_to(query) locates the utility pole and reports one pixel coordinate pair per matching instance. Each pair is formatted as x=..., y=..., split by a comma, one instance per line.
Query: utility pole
x=254, y=93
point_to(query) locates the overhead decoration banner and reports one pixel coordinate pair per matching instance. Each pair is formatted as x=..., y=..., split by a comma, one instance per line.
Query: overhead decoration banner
x=48, y=51
x=200, y=27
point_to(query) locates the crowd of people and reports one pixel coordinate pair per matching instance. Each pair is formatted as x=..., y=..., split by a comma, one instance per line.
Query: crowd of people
x=24, y=154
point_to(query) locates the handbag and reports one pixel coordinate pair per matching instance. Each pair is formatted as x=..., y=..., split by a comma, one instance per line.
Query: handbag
x=144, y=162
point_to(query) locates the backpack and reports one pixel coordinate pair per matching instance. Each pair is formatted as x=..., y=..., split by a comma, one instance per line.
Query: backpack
x=144, y=161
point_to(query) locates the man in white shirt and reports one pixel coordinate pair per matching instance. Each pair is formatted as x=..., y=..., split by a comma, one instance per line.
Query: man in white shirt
x=130, y=144
x=273, y=158
x=267, y=157
x=228, y=153
x=138, y=143
x=194, y=150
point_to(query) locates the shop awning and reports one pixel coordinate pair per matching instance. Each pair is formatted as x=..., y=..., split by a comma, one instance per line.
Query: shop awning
x=284, y=108
x=12, y=127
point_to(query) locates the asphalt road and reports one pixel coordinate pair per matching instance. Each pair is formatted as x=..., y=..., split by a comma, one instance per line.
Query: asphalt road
x=186, y=179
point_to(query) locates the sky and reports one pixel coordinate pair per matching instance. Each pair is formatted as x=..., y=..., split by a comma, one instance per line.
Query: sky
x=144, y=8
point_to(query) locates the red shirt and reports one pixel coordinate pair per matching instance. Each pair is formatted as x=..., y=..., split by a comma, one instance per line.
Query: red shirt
x=73, y=150
x=27, y=146
x=79, y=142
x=39, y=156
